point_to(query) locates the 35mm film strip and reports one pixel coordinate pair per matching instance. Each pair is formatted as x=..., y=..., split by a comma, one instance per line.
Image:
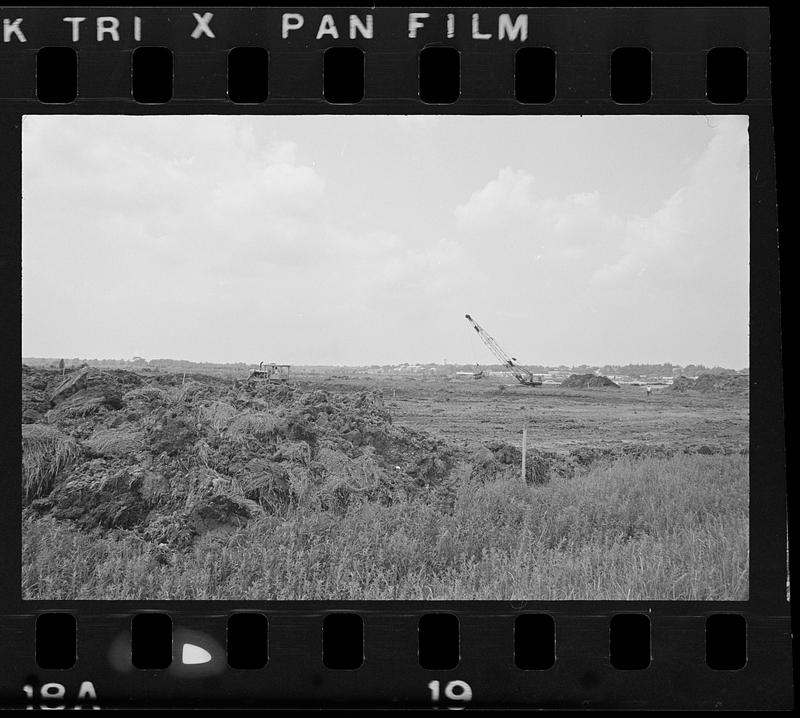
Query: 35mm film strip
x=437, y=56
x=262, y=268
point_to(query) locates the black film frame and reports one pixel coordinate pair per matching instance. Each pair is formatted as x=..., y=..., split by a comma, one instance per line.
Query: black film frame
x=583, y=39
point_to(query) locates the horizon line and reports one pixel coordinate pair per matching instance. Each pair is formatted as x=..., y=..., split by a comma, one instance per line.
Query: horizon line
x=374, y=364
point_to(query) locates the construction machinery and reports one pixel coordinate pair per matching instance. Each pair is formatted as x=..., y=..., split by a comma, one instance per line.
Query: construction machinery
x=477, y=374
x=271, y=372
x=521, y=374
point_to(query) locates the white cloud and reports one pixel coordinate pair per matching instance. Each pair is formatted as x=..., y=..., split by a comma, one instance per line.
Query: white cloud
x=702, y=229
x=571, y=255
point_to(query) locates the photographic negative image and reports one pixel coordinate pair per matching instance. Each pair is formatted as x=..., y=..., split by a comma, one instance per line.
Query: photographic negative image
x=385, y=357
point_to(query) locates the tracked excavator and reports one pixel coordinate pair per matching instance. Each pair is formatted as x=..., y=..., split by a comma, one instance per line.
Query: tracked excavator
x=521, y=374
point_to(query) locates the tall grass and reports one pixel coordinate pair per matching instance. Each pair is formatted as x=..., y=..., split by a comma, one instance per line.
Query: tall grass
x=46, y=452
x=650, y=528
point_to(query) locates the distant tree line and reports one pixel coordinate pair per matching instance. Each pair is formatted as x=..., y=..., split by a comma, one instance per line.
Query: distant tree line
x=663, y=369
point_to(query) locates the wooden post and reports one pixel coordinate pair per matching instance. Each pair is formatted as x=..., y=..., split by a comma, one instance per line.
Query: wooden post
x=524, y=450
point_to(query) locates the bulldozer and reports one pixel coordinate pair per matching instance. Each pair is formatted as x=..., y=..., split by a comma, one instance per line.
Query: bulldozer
x=271, y=372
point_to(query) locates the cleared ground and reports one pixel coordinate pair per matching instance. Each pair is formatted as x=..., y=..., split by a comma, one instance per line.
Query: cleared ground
x=465, y=411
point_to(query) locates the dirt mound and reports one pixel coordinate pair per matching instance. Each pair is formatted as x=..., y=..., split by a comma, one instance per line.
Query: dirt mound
x=714, y=383
x=172, y=457
x=587, y=381
x=47, y=396
x=35, y=397
x=497, y=458
x=99, y=494
x=682, y=383
x=70, y=386
x=218, y=510
x=35, y=403
x=723, y=383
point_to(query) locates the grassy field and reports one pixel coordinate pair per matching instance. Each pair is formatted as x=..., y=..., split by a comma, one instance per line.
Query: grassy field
x=648, y=528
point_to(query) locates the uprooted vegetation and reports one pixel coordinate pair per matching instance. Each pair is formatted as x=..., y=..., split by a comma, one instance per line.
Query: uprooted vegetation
x=175, y=460
x=162, y=470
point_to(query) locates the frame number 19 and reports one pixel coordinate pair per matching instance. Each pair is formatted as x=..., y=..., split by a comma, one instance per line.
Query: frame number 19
x=454, y=691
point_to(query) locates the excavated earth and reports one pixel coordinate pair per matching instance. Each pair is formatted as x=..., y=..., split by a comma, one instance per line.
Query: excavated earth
x=713, y=383
x=173, y=457
x=586, y=381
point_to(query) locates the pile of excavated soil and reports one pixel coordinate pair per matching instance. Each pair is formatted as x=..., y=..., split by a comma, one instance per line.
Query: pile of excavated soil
x=682, y=383
x=45, y=389
x=176, y=458
x=587, y=381
x=714, y=383
x=725, y=383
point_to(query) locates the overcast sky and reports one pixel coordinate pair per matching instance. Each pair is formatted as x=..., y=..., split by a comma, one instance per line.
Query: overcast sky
x=361, y=240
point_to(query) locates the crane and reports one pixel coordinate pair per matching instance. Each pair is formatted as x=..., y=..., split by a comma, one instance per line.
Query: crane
x=521, y=374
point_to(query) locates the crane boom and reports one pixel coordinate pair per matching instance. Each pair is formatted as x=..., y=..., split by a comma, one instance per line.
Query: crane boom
x=521, y=374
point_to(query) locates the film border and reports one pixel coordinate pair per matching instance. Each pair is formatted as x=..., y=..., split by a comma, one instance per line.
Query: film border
x=678, y=38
